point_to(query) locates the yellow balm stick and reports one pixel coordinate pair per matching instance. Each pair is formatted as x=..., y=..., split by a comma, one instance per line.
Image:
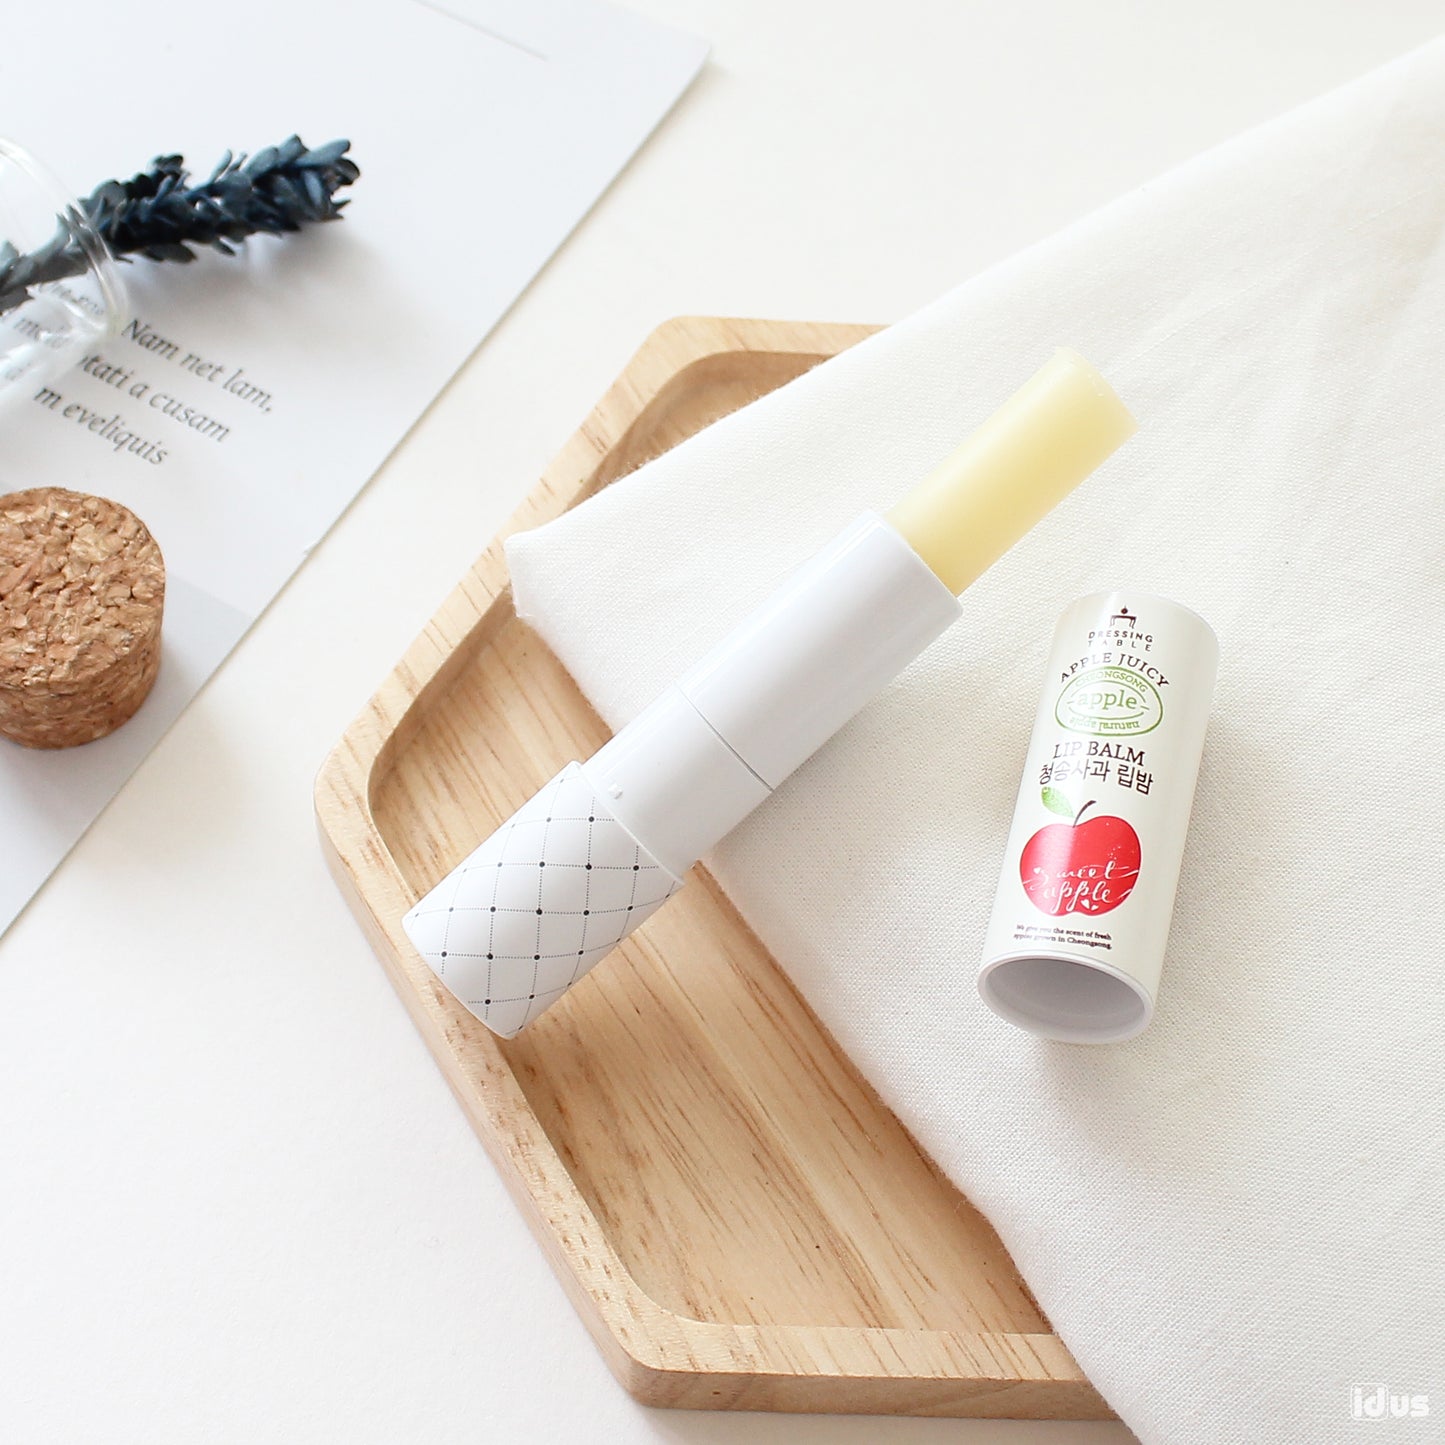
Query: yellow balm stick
x=1020, y=464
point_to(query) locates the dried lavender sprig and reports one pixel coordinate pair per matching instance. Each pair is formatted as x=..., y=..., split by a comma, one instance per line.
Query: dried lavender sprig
x=159, y=215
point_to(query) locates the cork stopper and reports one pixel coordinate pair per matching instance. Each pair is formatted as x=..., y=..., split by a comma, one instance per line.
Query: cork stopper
x=82, y=586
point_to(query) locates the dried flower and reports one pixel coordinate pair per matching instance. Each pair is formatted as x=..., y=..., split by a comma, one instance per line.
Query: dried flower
x=159, y=215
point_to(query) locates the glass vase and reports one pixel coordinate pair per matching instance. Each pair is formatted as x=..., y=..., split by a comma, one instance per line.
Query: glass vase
x=60, y=292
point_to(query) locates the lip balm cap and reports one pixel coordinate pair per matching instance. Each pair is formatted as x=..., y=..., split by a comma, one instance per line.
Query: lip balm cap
x=1010, y=473
x=1076, y=944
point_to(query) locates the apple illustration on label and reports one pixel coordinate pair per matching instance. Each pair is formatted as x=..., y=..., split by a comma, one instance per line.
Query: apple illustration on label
x=1079, y=867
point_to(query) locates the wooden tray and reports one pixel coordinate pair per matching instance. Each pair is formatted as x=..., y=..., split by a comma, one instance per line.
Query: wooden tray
x=736, y=1216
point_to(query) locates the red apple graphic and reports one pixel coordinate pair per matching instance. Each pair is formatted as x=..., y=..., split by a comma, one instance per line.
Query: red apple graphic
x=1079, y=867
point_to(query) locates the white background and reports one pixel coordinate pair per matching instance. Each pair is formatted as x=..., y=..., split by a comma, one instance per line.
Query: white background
x=238, y=1202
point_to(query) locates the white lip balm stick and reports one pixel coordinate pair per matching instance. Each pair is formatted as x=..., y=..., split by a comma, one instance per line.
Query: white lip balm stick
x=606, y=842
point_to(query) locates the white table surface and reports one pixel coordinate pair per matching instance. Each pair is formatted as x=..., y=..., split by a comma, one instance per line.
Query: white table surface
x=238, y=1202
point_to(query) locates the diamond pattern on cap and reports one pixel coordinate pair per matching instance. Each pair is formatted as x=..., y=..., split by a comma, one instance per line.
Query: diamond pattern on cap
x=554, y=890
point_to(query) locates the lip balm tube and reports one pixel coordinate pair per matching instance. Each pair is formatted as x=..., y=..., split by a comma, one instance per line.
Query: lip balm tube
x=607, y=841
x=1075, y=946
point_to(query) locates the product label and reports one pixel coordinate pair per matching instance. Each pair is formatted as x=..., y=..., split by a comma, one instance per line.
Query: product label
x=1091, y=867
x=1095, y=846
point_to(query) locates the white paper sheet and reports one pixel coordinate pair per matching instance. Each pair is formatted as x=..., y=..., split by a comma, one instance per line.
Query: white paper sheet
x=251, y=398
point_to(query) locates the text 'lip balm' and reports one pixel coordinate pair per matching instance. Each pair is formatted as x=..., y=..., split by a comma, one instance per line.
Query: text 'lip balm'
x=606, y=842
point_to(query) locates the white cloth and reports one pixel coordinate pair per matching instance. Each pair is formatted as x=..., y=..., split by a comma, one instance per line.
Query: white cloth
x=1236, y=1217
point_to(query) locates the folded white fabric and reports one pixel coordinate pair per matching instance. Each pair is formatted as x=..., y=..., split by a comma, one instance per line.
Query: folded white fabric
x=1236, y=1218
